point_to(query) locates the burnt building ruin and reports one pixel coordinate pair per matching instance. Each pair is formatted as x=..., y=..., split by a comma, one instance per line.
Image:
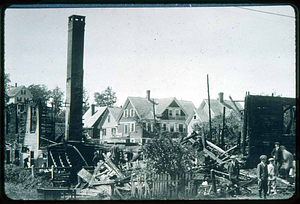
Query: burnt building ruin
x=267, y=120
x=74, y=88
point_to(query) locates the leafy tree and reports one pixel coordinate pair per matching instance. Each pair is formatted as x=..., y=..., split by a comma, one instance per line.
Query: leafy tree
x=232, y=126
x=106, y=98
x=57, y=97
x=40, y=92
x=166, y=155
x=6, y=86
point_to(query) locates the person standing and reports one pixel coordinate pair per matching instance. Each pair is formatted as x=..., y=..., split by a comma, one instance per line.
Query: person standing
x=271, y=177
x=277, y=155
x=234, y=171
x=262, y=176
x=287, y=162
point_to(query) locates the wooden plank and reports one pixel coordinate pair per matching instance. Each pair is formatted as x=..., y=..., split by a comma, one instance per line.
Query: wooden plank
x=215, y=147
x=85, y=175
x=106, y=189
x=132, y=186
x=113, y=166
x=95, y=172
x=109, y=182
x=52, y=159
x=213, y=156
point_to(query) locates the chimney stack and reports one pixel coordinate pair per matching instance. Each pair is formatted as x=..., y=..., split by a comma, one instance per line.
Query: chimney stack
x=221, y=97
x=93, y=109
x=148, y=95
x=74, y=83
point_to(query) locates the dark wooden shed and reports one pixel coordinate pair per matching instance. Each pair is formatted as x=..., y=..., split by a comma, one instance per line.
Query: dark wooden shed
x=268, y=120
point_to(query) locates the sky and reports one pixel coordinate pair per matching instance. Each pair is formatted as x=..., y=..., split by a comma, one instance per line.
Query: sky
x=168, y=50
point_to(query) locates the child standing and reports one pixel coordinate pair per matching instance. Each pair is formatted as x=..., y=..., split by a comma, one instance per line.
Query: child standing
x=262, y=176
x=271, y=177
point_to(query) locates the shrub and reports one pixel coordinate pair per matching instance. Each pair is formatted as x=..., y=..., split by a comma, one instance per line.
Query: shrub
x=167, y=155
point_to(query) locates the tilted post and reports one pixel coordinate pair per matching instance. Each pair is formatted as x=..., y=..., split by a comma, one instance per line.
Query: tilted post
x=213, y=179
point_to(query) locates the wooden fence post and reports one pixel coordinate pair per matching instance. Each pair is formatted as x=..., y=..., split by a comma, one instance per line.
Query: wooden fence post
x=213, y=179
x=239, y=141
x=52, y=171
x=132, y=186
x=32, y=171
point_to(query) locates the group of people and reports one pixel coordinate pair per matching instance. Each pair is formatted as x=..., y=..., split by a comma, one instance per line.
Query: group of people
x=281, y=163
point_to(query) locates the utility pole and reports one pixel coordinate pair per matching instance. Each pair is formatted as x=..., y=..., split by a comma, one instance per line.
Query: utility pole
x=153, y=103
x=209, y=114
x=223, y=128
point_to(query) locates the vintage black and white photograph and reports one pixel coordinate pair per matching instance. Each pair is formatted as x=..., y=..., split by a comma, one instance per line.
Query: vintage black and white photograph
x=150, y=102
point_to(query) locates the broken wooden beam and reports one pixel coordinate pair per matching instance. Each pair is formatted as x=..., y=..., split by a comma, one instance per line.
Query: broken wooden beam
x=215, y=147
x=228, y=150
x=95, y=172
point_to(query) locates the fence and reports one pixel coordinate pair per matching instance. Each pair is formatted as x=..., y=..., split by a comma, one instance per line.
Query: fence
x=163, y=186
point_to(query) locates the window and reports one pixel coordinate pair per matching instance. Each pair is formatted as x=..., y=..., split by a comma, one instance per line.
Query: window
x=126, y=113
x=132, y=140
x=177, y=112
x=126, y=129
x=104, y=132
x=170, y=112
x=132, y=127
x=164, y=127
x=171, y=127
x=148, y=127
x=132, y=113
x=108, y=118
x=195, y=117
x=176, y=127
x=180, y=127
x=19, y=99
x=113, y=131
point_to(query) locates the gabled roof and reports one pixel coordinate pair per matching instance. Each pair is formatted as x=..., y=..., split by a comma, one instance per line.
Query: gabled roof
x=15, y=90
x=144, y=108
x=188, y=106
x=217, y=107
x=163, y=103
x=202, y=115
x=115, y=111
x=89, y=120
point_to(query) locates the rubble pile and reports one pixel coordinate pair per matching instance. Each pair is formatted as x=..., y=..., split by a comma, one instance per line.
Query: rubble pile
x=111, y=179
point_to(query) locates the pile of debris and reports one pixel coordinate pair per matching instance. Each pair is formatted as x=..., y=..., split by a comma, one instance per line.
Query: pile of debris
x=106, y=179
x=211, y=180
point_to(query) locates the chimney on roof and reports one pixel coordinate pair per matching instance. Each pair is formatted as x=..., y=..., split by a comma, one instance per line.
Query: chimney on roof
x=221, y=97
x=92, y=109
x=16, y=84
x=148, y=95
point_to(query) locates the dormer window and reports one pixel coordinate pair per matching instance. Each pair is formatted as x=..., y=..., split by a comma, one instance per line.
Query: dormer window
x=132, y=112
x=126, y=113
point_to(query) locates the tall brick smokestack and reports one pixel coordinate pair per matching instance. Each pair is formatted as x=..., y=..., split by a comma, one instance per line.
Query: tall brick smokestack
x=74, y=89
